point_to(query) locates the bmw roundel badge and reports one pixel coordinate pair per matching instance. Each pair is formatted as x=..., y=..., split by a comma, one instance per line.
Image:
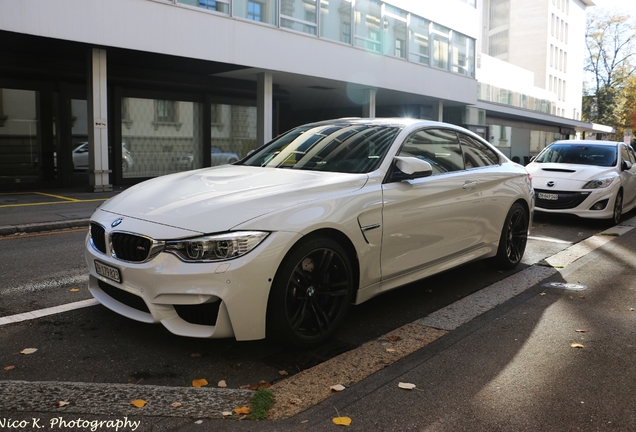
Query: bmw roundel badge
x=116, y=223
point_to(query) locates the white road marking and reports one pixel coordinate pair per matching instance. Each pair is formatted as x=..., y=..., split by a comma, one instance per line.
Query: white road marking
x=48, y=311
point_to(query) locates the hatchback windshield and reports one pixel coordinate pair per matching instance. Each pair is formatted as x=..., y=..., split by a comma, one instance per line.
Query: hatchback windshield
x=346, y=148
x=579, y=154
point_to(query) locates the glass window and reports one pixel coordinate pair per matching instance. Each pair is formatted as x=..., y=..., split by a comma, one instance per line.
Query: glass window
x=346, y=148
x=215, y=5
x=476, y=154
x=299, y=15
x=335, y=20
x=441, y=46
x=580, y=154
x=157, y=134
x=256, y=10
x=394, y=31
x=439, y=147
x=20, y=143
x=460, y=54
x=368, y=25
x=419, y=50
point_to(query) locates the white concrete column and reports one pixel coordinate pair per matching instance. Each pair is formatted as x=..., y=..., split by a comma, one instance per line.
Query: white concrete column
x=264, y=108
x=438, y=111
x=98, y=122
x=368, y=109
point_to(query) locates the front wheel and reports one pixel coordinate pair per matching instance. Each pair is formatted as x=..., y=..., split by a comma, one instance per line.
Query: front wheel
x=618, y=209
x=514, y=236
x=311, y=293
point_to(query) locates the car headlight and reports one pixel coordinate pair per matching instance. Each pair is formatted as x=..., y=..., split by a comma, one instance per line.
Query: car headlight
x=217, y=247
x=599, y=183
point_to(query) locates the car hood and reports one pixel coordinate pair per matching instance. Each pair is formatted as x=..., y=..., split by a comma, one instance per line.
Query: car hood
x=220, y=198
x=565, y=176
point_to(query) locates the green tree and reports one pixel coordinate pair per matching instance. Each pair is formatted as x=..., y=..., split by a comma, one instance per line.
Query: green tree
x=610, y=40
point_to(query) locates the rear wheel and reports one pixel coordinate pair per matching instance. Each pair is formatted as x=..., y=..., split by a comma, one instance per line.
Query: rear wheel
x=514, y=236
x=311, y=293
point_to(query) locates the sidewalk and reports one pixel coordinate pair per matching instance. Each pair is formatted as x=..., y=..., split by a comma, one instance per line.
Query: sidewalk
x=47, y=210
x=519, y=355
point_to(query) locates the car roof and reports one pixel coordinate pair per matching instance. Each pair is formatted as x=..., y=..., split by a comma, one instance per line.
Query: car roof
x=383, y=121
x=588, y=142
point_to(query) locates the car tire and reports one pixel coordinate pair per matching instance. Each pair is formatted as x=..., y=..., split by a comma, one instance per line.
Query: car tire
x=311, y=293
x=513, y=239
x=618, y=209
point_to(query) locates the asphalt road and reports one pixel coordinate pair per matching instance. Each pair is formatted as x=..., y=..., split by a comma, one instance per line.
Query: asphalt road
x=95, y=345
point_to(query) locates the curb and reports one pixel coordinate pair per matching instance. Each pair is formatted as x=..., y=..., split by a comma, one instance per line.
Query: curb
x=7, y=230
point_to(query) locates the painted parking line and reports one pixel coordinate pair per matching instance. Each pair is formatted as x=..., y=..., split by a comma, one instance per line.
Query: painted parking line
x=12, y=319
x=62, y=200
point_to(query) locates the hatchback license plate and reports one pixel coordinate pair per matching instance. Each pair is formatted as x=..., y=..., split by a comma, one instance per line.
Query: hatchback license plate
x=108, y=272
x=548, y=196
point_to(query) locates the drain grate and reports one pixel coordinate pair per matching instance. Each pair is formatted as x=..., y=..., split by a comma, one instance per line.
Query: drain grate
x=297, y=360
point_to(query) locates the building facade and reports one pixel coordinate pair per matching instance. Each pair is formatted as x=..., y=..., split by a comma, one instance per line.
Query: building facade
x=160, y=86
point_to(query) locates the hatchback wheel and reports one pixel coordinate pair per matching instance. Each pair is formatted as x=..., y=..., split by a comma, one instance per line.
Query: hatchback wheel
x=618, y=208
x=311, y=293
x=514, y=236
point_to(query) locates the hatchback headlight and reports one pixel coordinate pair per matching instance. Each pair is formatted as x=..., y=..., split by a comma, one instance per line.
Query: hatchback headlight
x=217, y=247
x=599, y=183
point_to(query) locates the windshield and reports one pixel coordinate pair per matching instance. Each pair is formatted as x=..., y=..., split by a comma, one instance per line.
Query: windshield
x=342, y=148
x=580, y=154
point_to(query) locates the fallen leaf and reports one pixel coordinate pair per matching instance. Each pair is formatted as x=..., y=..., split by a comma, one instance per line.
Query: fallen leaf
x=295, y=401
x=62, y=404
x=260, y=385
x=199, y=382
x=582, y=297
x=226, y=413
x=406, y=386
x=542, y=294
x=391, y=350
x=243, y=410
x=283, y=373
x=337, y=387
x=139, y=403
x=342, y=421
x=74, y=289
x=582, y=331
x=394, y=338
x=222, y=384
x=8, y=368
x=577, y=345
x=176, y=405
x=28, y=351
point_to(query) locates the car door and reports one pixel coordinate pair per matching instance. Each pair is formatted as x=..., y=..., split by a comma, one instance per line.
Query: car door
x=432, y=218
x=628, y=176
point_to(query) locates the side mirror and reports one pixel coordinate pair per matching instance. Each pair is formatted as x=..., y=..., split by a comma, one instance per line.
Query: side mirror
x=626, y=165
x=408, y=168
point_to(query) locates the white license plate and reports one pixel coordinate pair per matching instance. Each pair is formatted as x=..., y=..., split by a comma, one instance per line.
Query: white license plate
x=548, y=196
x=108, y=272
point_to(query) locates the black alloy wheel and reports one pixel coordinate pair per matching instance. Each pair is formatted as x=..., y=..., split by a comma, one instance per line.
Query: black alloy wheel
x=514, y=236
x=311, y=293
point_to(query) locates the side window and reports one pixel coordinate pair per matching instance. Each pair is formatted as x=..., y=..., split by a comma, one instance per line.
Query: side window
x=626, y=154
x=476, y=153
x=438, y=147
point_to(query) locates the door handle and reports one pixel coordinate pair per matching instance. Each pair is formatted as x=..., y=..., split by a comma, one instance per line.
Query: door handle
x=469, y=185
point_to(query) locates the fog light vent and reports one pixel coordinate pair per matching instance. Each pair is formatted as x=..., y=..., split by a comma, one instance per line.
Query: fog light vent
x=600, y=205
